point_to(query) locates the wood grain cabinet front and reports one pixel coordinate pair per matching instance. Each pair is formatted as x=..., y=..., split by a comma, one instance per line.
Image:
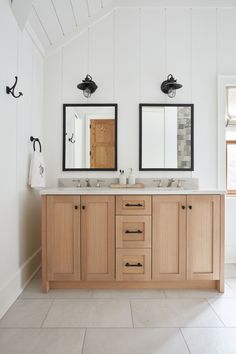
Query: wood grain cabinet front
x=133, y=205
x=133, y=264
x=98, y=237
x=63, y=238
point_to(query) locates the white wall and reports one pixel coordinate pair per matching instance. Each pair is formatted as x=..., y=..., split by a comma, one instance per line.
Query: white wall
x=129, y=53
x=20, y=118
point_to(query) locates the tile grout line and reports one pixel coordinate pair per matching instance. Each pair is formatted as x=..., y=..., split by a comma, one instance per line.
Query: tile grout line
x=224, y=326
x=131, y=312
x=85, y=333
x=185, y=341
x=47, y=313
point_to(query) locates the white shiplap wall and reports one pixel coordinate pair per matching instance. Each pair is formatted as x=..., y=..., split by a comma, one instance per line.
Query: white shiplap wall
x=20, y=118
x=129, y=53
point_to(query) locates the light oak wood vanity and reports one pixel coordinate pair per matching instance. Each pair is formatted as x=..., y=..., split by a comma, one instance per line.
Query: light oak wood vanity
x=138, y=239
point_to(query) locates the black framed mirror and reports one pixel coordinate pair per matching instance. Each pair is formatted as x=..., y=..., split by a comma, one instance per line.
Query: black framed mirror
x=166, y=137
x=89, y=137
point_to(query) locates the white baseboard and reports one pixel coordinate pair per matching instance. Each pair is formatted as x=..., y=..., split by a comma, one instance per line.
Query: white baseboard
x=13, y=288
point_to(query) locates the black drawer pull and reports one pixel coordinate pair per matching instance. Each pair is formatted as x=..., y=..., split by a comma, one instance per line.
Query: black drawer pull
x=133, y=265
x=133, y=232
x=133, y=205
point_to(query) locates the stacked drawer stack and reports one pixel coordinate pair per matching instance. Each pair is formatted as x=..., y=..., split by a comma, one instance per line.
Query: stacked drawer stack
x=133, y=238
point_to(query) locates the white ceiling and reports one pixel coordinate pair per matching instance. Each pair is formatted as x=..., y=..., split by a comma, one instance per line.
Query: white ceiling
x=57, y=21
x=53, y=20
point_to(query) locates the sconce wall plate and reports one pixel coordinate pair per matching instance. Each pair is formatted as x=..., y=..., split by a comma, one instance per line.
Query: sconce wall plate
x=11, y=90
x=88, y=86
x=170, y=86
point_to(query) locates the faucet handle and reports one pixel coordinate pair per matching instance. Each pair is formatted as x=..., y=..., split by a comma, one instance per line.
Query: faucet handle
x=159, y=182
x=78, y=182
x=99, y=181
x=179, y=184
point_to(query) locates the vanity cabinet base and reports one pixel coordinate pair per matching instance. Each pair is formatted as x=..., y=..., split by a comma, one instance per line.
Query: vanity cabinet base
x=195, y=284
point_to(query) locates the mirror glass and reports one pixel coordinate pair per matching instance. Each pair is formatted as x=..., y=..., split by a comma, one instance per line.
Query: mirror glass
x=90, y=137
x=166, y=137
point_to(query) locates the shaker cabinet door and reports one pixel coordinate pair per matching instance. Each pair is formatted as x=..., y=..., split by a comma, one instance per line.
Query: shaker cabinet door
x=203, y=240
x=63, y=238
x=98, y=237
x=169, y=238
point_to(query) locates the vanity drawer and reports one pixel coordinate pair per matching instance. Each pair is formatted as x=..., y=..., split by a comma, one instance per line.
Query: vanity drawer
x=133, y=264
x=133, y=231
x=133, y=205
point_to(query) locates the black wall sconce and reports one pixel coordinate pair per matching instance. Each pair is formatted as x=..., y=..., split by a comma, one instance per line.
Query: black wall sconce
x=170, y=86
x=11, y=90
x=88, y=86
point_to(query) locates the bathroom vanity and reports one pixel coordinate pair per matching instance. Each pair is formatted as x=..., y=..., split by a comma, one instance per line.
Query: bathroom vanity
x=143, y=238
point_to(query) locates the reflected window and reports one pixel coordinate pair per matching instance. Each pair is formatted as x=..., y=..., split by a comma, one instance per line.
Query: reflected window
x=231, y=166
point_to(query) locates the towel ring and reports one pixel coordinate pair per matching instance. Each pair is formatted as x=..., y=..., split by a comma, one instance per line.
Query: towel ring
x=34, y=140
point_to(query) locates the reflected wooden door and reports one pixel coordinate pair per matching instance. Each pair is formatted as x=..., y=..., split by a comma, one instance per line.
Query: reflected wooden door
x=102, y=142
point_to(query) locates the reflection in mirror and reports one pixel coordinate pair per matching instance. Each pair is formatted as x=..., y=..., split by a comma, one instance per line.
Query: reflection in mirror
x=166, y=137
x=90, y=134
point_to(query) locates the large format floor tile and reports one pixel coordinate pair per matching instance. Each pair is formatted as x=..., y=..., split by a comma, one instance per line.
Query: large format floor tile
x=231, y=282
x=210, y=340
x=174, y=313
x=33, y=291
x=226, y=310
x=41, y=341
x=128, y=294
x=89, y=313
x=199, y=293
x=26, y=313
x=134, y=341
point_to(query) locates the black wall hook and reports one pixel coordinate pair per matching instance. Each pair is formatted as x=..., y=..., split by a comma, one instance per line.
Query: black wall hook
x=11, y=90
x=34, y=140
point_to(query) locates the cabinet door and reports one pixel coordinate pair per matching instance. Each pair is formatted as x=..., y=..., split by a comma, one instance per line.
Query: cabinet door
x=169, y=238
x=98, y=237
x=63, y=238
x=203, y=240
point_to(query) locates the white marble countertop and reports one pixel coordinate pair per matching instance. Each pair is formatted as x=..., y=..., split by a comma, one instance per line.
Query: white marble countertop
x=122, y=191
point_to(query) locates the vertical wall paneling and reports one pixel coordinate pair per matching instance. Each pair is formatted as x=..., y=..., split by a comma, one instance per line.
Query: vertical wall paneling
x=19, y=224
x=127, y=85
x=204, y=90
x=226, y=41
x=152, y=54
x=178, y=47
x=101, y=59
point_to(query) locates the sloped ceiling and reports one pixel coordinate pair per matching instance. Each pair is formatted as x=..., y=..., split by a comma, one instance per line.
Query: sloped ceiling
x=56, y=22
x=53, y=20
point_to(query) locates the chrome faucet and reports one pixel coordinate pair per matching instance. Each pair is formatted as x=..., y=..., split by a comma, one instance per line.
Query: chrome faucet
x=78, y=185
x=159, y=182
x=170, y=182
x=88, y=185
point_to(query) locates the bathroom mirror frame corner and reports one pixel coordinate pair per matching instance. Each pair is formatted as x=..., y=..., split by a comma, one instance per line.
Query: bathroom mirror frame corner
x=141, y=143
x=88, y=105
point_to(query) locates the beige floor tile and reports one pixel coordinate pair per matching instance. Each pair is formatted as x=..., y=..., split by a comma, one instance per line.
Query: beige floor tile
x=199, y=293
x=210, y=340
x=134, y=341
x=128, y=294
x=231, y=282
x=33, y=291
x=173, y=313
x=230, y=270
x=226, y=310
x=26, y=313
x=41, y=341
x=89, y=313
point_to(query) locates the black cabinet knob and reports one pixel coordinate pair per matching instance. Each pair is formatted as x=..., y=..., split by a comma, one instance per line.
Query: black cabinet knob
x=83, y=207
x=190, y=207
x=183, y=207
x=76, y=207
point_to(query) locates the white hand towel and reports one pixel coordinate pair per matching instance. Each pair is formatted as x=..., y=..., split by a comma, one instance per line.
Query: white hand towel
x=37, y=171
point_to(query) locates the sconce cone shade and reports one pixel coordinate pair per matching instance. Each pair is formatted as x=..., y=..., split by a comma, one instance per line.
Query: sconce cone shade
x=170, y=86
x=88, y=86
